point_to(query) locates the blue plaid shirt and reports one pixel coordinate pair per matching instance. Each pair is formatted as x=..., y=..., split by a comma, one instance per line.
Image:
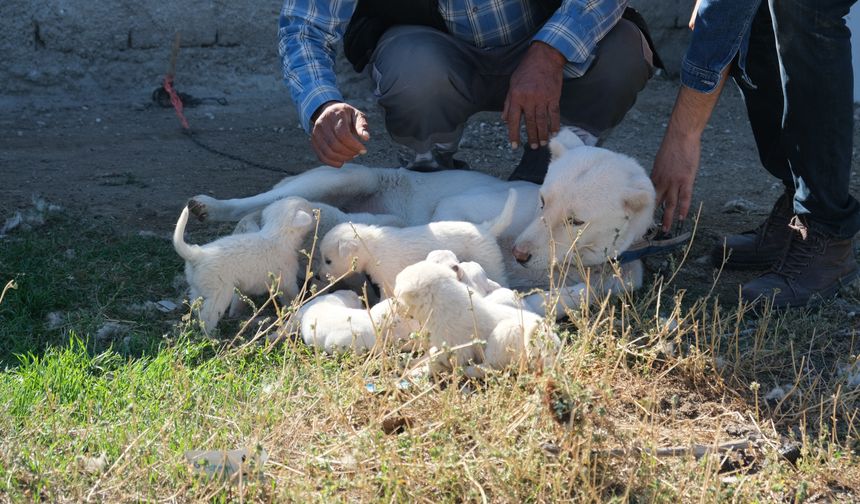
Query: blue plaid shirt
x=309, y=31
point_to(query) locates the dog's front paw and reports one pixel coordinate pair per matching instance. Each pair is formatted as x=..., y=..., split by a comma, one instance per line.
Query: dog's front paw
x=199, y=206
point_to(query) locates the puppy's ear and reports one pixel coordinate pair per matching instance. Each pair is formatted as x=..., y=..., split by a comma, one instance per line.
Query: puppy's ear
x=562, y=142
x=459, y=271
x=556, y=149
x=637, y=200
x=302, y=219
x=346, y=247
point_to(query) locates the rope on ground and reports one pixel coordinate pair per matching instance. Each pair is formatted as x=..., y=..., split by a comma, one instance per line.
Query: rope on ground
x=176, y=101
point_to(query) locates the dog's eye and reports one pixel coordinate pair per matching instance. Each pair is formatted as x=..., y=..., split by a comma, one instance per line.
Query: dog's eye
x=542, y=203
x=573, y=221
x=327, y=260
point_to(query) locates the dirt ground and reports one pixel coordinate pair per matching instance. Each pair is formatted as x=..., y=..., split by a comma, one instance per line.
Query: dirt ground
x=126, y=160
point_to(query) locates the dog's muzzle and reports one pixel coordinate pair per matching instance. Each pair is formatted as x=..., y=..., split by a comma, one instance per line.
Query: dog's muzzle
x=522, y=256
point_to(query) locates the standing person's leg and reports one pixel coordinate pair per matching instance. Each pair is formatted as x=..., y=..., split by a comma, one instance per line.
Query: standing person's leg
x=596, y=102
x=761, y=248
x=814, y=47
x=425, y=83
x=815, y=52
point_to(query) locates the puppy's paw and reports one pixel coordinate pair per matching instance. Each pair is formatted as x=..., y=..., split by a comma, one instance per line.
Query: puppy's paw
x=199, y=206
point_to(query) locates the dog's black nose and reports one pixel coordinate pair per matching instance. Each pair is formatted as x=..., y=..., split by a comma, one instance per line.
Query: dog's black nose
x=521, y=256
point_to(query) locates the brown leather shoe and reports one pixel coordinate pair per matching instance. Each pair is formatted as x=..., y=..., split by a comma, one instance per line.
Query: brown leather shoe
x=814, y=267
x=758, y=248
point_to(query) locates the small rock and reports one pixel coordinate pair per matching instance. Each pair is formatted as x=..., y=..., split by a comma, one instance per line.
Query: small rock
x=739, y=205
x=94, y=465
x=777, y=393
x=670, y=323
x=111, y=330
x=790, y=451
x=550, y=449
x=166, y=305
x=54, y=319
x=665, y=348
x=145, y=307
x=11, y=223
x=851, y=372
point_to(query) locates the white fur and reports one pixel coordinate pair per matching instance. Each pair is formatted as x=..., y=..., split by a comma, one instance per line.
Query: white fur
x=612, y=205
x=325, y=217
x=470, y=273
x=338, y=322
x=243, y=261
x=606, y=190
x=473, y=276
x=454, y=318
x=382, y=252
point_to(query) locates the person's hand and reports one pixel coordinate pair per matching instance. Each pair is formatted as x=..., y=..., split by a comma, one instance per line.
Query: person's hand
x=674, y=173
x=534, y=94
x=338, y=132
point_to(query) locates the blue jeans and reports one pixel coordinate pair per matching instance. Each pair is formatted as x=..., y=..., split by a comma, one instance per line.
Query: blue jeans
x=800, y=106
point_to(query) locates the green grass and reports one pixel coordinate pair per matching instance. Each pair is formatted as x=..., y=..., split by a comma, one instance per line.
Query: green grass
x=85, y=275
x=110, y=419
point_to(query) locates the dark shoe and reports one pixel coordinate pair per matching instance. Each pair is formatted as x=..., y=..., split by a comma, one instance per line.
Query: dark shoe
x=813, y=268
x=758, y=248
x=533, y=165
x=441, y=161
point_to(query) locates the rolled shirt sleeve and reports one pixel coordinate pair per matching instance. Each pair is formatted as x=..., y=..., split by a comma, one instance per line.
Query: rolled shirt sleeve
x=722, y=29
x=307, y=34
x=575, y=29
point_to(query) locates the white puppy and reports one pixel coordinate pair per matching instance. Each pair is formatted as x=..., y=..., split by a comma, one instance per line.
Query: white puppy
x=325, y=217
x=455, y=319
x=470, y=273
x=339, y=322
x=243, y=261
x=382, y=252
x=473, y=276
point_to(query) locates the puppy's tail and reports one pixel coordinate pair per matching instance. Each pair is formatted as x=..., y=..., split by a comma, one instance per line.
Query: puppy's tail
x=186, y=251
x=498, y=225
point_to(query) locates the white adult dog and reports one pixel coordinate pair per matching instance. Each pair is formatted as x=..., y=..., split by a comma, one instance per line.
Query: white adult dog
x=467, y=329
x=383, y=251
x=596, y=203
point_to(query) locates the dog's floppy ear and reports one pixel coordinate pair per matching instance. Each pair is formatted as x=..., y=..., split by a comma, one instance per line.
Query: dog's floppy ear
x=345, y=247
x=562, y=142
x=636, y=200
x=302, y=219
